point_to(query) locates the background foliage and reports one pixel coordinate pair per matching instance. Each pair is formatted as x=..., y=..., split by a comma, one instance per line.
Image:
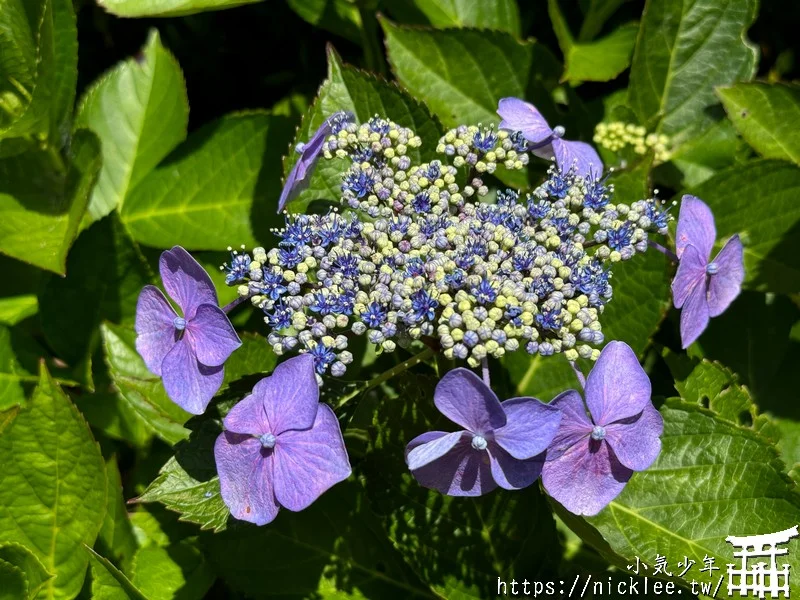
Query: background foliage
x=103, y=164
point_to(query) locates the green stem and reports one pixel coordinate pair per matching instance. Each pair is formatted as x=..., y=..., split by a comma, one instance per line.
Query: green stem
x=387, y=375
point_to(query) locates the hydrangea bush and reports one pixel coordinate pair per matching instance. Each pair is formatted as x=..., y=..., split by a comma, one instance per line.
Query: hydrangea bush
x=490, y=312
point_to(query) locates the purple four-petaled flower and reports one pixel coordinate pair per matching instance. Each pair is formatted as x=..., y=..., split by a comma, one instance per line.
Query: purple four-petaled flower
x=188, y=351
x=545, y=142
x=593, y=456
x=502, y=442
x=309, y=153
x=280, y=447
x=703, y=288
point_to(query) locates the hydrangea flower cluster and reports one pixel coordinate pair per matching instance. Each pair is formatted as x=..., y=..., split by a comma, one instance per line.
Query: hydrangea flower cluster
x=478, y=279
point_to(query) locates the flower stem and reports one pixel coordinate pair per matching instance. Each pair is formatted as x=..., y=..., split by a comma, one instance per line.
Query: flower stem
x=485, y=371
x=665, y=251
x=578, y=374
x=230, y=306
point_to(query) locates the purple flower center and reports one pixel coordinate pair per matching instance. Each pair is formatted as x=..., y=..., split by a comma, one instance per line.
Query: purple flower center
x=479, y=442
x=179, y=323
x=267, y=440
x=712, y=268
x=598, y=433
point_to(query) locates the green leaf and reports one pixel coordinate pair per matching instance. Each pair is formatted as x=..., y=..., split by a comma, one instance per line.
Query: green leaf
x=176, y=571
x=111, y=414
x=140, y=112
x=105, y=273
x=52, y=486
x=141, y=391
x=38, y=203
x=253, y=357
x=337, y=16
x=26, y=561
x=683, y=51
x=166, y=8
x=207, y=192
x=768, y=225
x=188, y=482
x=760, y=111
x=501, y=15
x=116, y=535
x=713, y=479
x=597, y=14
x=716, y=148
x=348, y=88
x=109, y=583
x=601, y=60
x=13, y=584
x=17, y=308
x=14, y=378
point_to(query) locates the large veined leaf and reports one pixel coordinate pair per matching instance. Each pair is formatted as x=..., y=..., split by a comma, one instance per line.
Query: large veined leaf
x=41, y=206
x=140, y=112
x=600, y=60
x=116, y=535
x=713, y=479
x=166, y=8
x=142, y=392
x=502, y=15
x=29, y=565
x=761, y=111
x=53, y=486
x=177, y=571
x=365, y=95
x=684, y=50
x=759, y=200
x=215, y=189
x=109, y=583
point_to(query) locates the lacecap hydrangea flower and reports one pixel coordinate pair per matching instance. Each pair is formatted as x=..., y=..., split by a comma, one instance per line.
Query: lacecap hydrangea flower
x=594, y=455
x=703, y=288
x=502, y=443
x=281, y=447
x=187, y=351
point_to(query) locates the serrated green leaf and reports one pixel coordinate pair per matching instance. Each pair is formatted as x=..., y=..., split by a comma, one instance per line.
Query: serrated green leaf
x=166, y=8
x=208, y=193
x=176, y=571
x=105, y=273
x=337, y=16
x=682, y=52
x=142, y=391
x=52, y=486
x=365, y=95
x=14, y=378
x=109, y=583
x=713, y=479
x=40, y=207
x=597, y=14
x=759, y=200
x=140, y=112
x=760, y=111
x=716, y=148
x=26, y=561
x=13, y=584
x=116, y=535
x=501, y=15
x=17, y=308
x=188, y=482
x=253, y=357
x=601, y=60
x=111, y=414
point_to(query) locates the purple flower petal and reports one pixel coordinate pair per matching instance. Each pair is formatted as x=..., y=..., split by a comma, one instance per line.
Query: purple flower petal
x=635, y=441
x=511, y=473
x=248, y=416
x=579, y=155
x=431, y=446
x=188, y=383
x=695, y=227
x=462, y=397
x=519, y=115
x=529, y=429
x=726, y=283
x=694, y=314
x=212, y=335
x=294, y=183
x=585, y=478
x=155, y=328
x=464, y=471
x=186, y=282
x=691, y=272
x=617, y=386
x=290, y=395
x=575, y=425
x=307, y=463
x=245, y=478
